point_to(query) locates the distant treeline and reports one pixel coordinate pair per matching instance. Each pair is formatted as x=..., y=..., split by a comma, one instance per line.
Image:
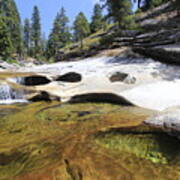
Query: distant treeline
x=26, y=39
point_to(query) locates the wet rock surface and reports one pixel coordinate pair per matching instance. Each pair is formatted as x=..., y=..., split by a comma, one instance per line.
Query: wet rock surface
x=41, y=96
x=5, y=66
x=88, y=140
x=139, y=81
x=118, y=76
x=89, y=135
x=169, y=121
x=122, y=77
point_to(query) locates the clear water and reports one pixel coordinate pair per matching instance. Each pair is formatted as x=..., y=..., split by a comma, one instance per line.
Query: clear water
x=9, y=95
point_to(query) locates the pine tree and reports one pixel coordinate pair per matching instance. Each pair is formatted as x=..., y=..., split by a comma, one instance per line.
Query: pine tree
x=9, y=10
x=60, y=34
x=6, y=48
x=43, y=44
x=53, y=42
x=64, y=28
x=97, y=19
x=36, y=32
x=120, y=10
x=16, y=29
x=27, y=35
x=81, y=28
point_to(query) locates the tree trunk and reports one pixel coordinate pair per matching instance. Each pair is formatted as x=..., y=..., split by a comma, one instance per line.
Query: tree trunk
x=81, y=43
x=139, y=4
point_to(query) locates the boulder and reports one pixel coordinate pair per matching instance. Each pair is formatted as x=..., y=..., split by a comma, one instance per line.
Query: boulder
x=169, y=55
x=7, y=66
x=35, y=80
x=118, y=76
x=100, y=97
x=41, y=96
x=123, y=77
x=168, y=120
x=69, y=77
x=130, y=80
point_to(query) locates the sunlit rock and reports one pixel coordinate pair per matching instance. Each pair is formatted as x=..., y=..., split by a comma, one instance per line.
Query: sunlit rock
x=168, y=120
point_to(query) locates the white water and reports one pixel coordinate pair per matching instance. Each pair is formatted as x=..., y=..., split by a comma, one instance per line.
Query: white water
x=16, y=80
x=157, y=96
x=9, y=95
x=157, y=86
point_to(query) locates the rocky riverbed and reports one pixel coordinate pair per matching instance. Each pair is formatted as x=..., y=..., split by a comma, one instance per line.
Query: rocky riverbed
x=138, y=81
x=97, y=118
x=84, y=141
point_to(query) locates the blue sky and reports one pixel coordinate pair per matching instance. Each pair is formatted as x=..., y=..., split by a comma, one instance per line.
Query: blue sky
x=49, y=8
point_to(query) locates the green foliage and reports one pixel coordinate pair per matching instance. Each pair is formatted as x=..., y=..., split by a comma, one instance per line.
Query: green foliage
x=6, y=47
x=9, y=11
x=36, y=33
x=120, y=10
x=107, y=40
x=64, y=35
x=97, y=19
x=60, y=35
x=34, y=40
x=12, y=61
x=138, y=11
x=81, y=28
x=129, y=23
x=43, y=44
x=27, y=35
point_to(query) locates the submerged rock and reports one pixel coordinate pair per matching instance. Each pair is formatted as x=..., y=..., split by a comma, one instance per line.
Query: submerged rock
x=144, y=143
x=89, y=140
